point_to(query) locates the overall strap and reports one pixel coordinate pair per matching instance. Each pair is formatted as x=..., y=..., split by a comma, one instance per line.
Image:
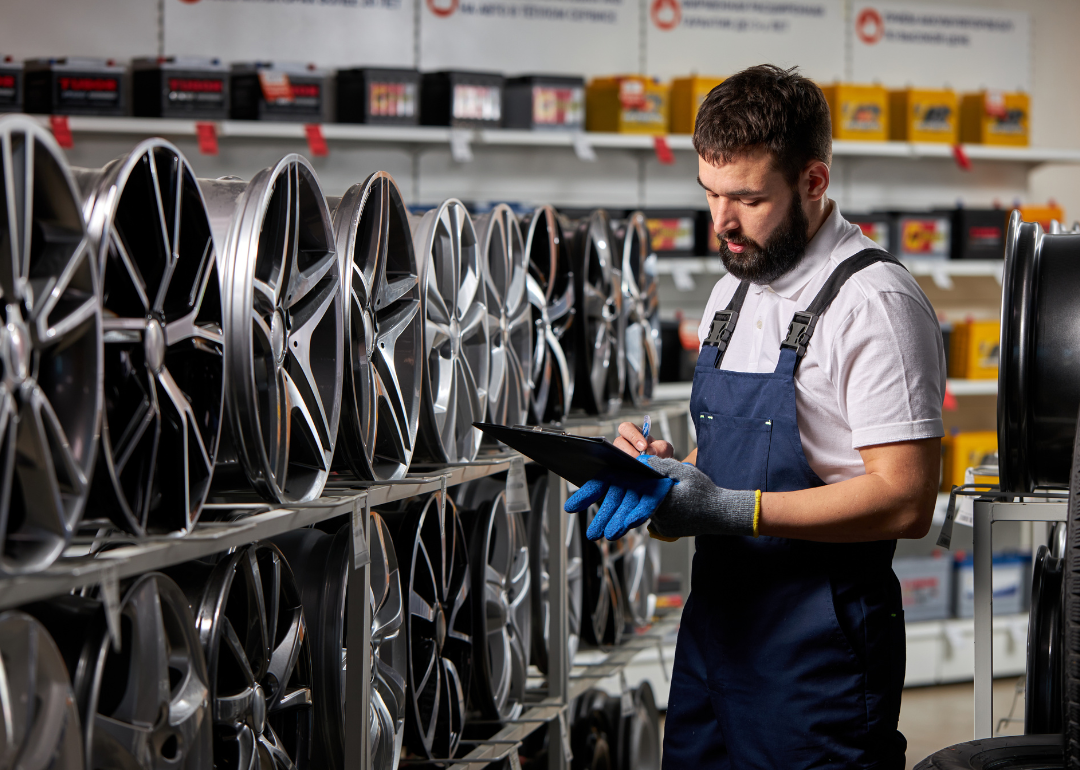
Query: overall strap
x=723, y=323
x=802, y=325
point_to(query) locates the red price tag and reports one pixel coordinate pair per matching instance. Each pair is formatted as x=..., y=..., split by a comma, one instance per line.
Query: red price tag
x=663, y=151
x=207, y=133
x=316, y=141
x=961, y=158
x=62, y=131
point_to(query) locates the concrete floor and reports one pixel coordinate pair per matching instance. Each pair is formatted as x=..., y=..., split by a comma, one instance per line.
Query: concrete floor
x=935, y=717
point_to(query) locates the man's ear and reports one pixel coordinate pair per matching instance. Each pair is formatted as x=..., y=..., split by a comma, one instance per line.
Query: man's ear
x=814, y=180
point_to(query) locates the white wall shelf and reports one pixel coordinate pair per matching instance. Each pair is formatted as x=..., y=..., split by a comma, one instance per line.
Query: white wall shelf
x=973, y=387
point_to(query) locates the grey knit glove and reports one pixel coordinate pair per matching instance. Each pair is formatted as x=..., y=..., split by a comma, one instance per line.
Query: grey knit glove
x=696, y=506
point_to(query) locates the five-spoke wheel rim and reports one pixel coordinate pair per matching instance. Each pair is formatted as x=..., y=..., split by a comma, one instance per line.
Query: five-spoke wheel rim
x=384, y=334
x=457, y=356
x=284, y=327
x=163, y=347
x=505, y=268
x=641, y=306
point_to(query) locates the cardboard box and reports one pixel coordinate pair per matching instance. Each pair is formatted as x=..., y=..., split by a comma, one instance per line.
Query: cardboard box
x=979, y=233
x=544, y=102
x=278, y=91
x=858, y=112
x=179, y=87
x=11, y=85
x=923, y=115
x=1010, y=581
x=673, y=232
x=687, y=94
x=995, y=117
x=974, y=349
x=876, y=227
x=461, y=99
x=627, y=104
x=70, y=86
x=961, y=451
x=924, y=235
x=926, y=588
x=387, y=97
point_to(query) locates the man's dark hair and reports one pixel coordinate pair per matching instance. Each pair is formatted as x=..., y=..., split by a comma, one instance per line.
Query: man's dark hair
x=769, y=107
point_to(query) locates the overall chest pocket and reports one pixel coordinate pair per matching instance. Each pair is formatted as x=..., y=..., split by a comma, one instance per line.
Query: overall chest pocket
x=734, y=451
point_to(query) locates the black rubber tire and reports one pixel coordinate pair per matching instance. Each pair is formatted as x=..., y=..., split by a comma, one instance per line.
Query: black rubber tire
x=1070, y=590
x=1042, y=692
x=1016, y=752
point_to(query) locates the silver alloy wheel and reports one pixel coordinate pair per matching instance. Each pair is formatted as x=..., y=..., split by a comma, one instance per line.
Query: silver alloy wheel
x=50, y=350
x=457, y=350
x=284, y=328
x=147, y=704
x=550, y=290
x=601, y=589
x=389, y=650
x=504, y=264
x=39, y=723
x=502, y=613
x=540, y=554
x=163, y=347
x=255, y=636
x=384, y=334
x=641, y=307
x=601, y=361
x=636, y=558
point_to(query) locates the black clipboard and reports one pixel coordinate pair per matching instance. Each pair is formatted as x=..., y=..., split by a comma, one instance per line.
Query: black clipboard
x=575, y=458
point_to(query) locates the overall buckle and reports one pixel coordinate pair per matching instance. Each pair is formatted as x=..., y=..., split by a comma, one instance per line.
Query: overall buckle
x=720, y=331
x=799, y=332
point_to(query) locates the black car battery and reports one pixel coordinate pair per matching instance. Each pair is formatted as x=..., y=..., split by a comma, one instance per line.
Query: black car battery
x=544, y=102
x=179, y=87
x=11, y=76
x=70, y=86
x=877, y=227
x=922, y=235
x=979, y=233
x=388, y=97
x=461, y=99
x=277, y=91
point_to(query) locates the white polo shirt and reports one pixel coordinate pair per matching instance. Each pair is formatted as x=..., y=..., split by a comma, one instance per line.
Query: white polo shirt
x=874, y=371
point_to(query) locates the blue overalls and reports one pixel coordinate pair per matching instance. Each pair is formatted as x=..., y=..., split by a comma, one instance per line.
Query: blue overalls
x=791, y=653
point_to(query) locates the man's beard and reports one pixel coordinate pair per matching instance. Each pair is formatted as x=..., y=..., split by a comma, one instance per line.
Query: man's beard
x=785, y=247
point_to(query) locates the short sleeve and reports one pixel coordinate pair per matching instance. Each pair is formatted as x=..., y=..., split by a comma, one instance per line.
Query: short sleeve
x=889, y=370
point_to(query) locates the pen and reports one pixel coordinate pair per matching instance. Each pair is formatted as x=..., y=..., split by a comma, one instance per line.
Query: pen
x=645, y=424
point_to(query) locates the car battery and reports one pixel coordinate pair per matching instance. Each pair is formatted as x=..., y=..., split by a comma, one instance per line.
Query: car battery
x=70, y=86
x=544, y=102
x=1010, y=582
x=923, y=115
x=461, y=99
x=277, y=91
x=876, y=227
x=1044, y=215
x=179, y=87
x=979, y=233
x=963, y=450
x=672, y=231
x=687, y=94
x=11, y=91
x=995, y=117
x=923, y=235
x=627, y=104
x=858, y=112
x=387, y=97
x=926, y=589
x=974, y=349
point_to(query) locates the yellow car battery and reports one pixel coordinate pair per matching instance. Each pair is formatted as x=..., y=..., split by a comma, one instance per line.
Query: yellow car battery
x=961, y=451
x=973, y=350
x=858, y=112
x=922, y=115
x=995, y=117
x=1042, y=214
x=687, y=94
x=627, y=104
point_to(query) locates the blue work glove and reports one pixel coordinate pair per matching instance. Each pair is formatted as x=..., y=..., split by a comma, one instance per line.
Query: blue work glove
x=628, y=502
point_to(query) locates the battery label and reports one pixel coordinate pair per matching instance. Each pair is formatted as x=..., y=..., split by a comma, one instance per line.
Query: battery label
x=392, y=100
x=477, y=102
x=73, y=90
x=201, y=92
x=558, y=106
x=9, y=92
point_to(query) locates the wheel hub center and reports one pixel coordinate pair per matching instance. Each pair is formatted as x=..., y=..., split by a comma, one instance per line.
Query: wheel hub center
x=154, y=344
x=18, y=351
x=257, y=718
x=440, y=628
x=279, y=335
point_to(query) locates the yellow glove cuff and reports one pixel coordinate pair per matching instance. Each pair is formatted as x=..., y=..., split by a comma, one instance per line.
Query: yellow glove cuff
x=757, y=510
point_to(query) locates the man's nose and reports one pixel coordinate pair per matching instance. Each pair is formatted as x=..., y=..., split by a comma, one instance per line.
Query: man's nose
x=724, y=219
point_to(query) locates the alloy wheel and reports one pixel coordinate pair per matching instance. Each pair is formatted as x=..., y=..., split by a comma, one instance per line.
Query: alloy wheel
x=50, y=350
x=384, y=333
x=635, y=558
x=163, y=347
x=457, y=350
x=641, y=306
x=550, y=290
x=602, y=597
x=284, y=330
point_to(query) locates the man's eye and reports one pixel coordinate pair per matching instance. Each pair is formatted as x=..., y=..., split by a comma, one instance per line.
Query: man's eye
x=751, y=202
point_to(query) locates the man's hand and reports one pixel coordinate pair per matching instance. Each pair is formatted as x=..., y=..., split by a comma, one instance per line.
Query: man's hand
x=628, y=502
x=633, y=443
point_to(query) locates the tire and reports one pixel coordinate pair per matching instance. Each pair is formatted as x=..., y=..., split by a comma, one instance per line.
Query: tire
x=1019, y=752
x=1043, y=698
x=1070, y=590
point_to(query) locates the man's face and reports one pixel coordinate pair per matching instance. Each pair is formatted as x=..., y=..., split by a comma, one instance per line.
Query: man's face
x=758, y=219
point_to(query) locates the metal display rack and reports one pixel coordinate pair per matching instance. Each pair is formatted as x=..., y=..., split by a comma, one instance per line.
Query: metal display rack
x=77, y=569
